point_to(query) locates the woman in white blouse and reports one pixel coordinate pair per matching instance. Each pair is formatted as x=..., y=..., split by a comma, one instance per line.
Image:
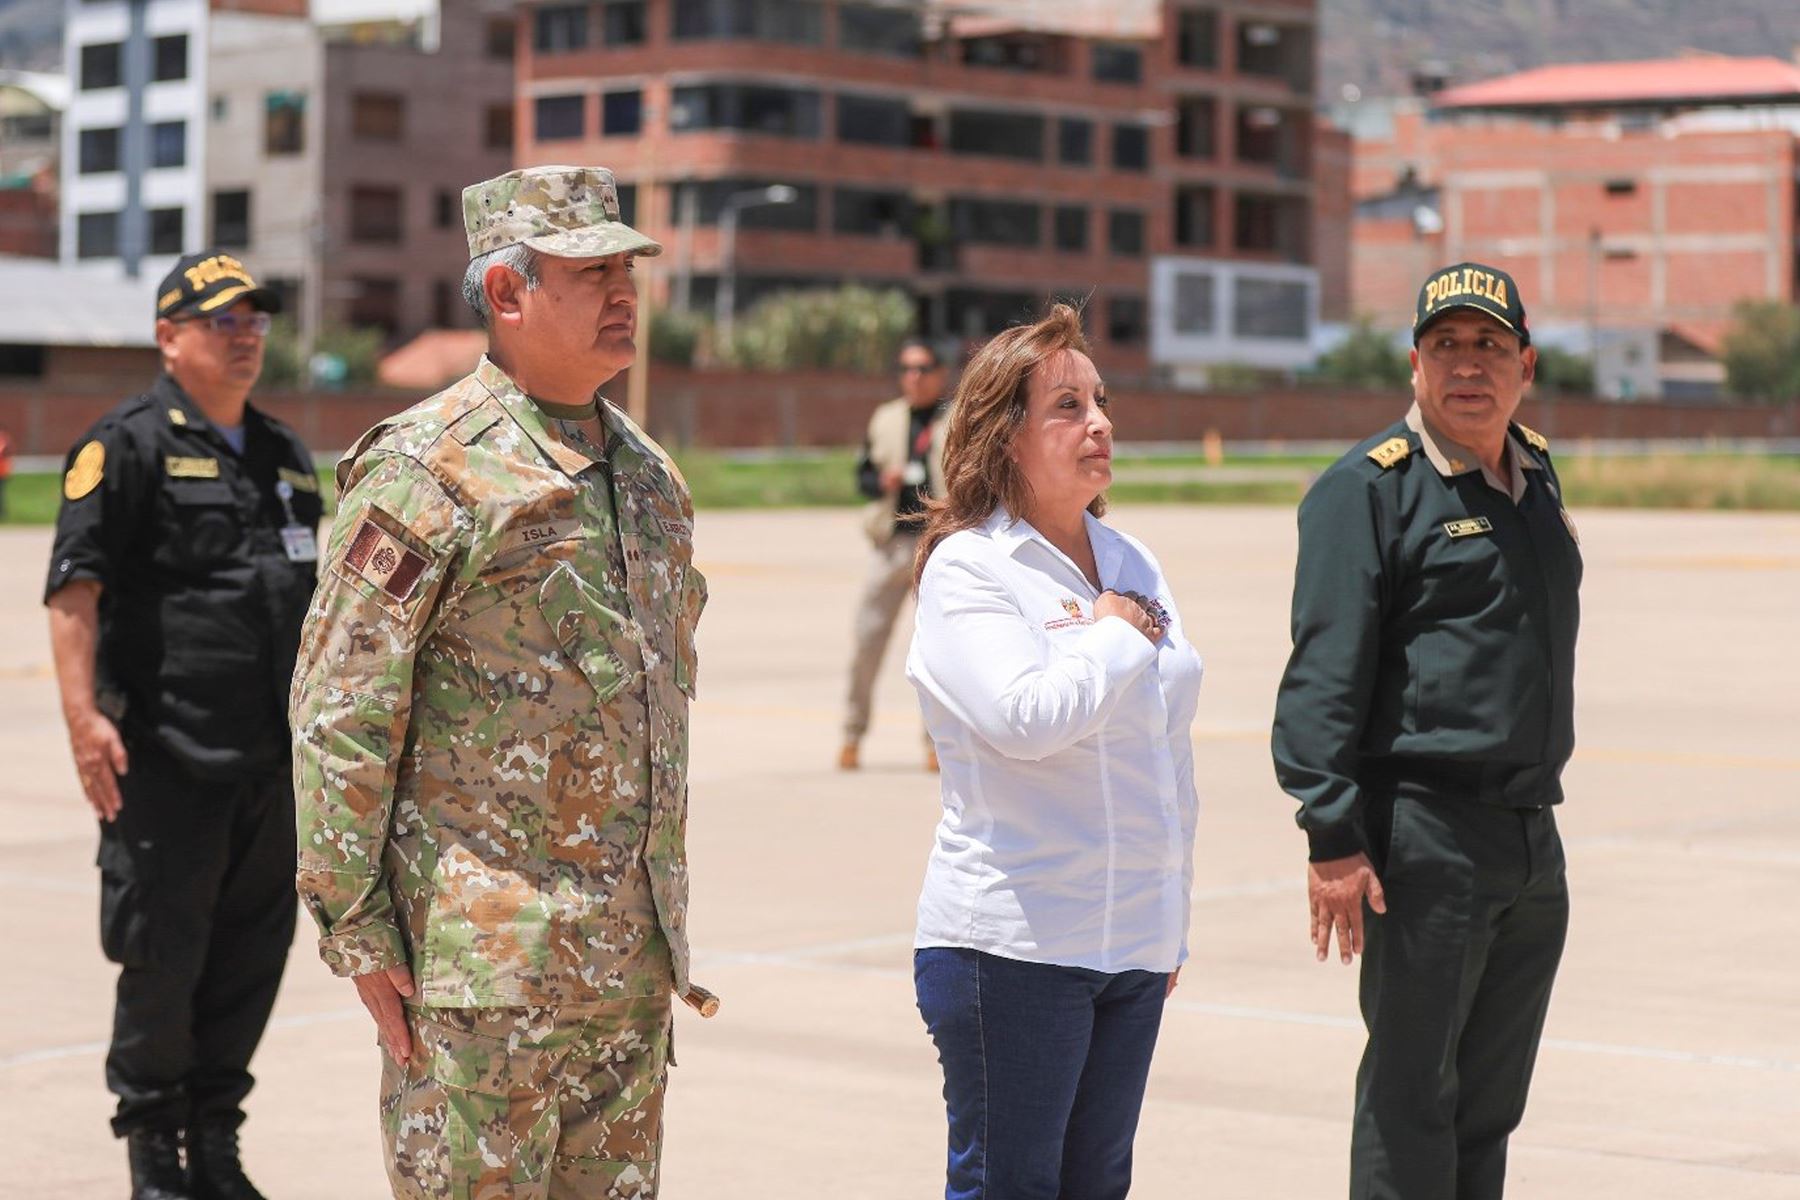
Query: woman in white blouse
x=1058, y=688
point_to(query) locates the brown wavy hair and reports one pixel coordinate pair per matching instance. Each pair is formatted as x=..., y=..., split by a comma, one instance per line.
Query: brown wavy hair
x=985, y=415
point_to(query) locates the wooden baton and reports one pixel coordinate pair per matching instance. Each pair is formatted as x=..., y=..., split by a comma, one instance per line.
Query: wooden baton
x=701, y=1000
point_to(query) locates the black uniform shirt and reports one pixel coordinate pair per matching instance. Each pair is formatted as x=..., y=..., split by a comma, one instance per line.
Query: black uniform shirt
x=201, y=606
x=1434, y=627
x=909, y=504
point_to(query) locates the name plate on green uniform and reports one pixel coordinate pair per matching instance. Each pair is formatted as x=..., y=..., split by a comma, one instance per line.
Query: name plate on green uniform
x=1468, y=527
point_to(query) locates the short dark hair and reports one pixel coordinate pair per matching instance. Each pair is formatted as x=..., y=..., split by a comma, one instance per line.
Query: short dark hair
x=918, y=343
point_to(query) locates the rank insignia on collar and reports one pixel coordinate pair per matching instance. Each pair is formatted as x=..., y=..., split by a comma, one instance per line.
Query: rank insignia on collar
x=1390, y=452
x=1537, y=441
x=177, y=417
x=1468, y=527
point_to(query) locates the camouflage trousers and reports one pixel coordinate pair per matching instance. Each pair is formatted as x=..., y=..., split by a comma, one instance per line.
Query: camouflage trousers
x=529, y=1103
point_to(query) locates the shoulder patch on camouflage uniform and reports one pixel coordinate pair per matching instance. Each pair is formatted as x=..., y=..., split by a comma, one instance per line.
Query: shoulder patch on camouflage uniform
x=85, y=472
x=1390, y=452
x=1536, y=440
x=384, y=554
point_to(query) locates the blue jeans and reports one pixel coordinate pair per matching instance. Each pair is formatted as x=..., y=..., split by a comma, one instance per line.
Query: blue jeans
x=1044, y=1072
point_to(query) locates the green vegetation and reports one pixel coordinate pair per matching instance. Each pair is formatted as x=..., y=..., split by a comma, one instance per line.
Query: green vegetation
x=827, y=479
x=358, y=350
x=849, y=329
x=1560, y=370
x=1762, y=351
x=1366, y=358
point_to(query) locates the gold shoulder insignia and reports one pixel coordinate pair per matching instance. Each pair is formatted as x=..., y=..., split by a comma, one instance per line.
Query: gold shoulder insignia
x=1537, y=440
x=85, y=472
x=1390, y=452
x=177, y=417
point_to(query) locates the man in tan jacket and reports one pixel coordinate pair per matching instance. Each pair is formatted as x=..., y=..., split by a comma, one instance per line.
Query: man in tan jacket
x=902, y=466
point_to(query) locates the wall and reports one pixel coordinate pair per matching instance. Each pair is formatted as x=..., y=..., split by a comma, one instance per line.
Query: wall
x=820, y=409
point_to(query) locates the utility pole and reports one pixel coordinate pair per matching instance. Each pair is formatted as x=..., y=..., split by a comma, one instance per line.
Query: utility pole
x=134, y=157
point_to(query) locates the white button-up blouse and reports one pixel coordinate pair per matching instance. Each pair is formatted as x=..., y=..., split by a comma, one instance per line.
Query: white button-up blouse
x=1067, y=765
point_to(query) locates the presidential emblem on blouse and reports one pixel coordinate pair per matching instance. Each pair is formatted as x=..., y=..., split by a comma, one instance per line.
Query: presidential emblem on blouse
x=1155, y=609
x=1072, y=606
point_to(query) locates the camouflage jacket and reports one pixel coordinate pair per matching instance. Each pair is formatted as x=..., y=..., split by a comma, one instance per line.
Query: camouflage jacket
x=490, y=709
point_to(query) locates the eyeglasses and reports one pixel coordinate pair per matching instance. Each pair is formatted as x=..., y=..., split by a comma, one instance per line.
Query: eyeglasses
x=916, y=369
x=232, y=324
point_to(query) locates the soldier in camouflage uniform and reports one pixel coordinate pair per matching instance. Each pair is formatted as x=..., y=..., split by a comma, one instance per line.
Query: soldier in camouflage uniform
x=491, y=723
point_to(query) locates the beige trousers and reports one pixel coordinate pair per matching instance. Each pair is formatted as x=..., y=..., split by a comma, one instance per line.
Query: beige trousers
x=884, y=593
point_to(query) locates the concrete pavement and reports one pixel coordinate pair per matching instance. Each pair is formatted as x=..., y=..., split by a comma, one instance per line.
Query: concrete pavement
x=1672, y=1065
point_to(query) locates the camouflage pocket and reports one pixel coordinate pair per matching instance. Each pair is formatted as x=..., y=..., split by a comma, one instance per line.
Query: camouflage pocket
x=687, y=623
x=501, y=1121
x=600, y=642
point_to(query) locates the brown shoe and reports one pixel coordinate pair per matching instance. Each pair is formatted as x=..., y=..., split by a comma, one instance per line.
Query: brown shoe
x=849, y=757
x=931, y=763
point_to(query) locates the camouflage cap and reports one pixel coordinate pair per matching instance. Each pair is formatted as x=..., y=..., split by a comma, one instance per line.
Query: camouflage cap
x=566, y=212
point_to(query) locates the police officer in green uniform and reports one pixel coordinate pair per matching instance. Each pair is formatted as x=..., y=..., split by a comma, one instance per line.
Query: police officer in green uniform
x=1423, y=723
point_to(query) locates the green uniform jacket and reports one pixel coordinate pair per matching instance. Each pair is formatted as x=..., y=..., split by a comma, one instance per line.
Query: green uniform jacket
x=1434, y=630
x=490, y=710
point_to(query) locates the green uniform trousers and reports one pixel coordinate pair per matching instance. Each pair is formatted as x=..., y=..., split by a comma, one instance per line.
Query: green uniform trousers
x=529, y=1103
x=1455, y=984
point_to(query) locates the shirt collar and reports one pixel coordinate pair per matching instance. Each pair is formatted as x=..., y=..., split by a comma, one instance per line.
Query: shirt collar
x=1010, y=533
x=180, y=410
x=1451, y=457
x=570, y=459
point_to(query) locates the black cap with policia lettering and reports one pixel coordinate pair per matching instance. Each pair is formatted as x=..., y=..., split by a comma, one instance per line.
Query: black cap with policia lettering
x=208, y=283
x=1471, y=285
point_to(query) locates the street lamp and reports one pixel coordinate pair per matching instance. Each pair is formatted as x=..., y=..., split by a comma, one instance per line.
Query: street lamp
x=725, y=301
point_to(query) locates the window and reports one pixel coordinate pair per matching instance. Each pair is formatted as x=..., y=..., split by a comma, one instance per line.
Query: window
x=443, y=209
x=167, y=230
x=168, y=144
x=22, y=361
x=1125, y=231
x=1621, y=187
x=874, y=121
x=1194, y=209
x=628, y=203
x=867, y=29
x=376, y=303
x=625, y=22
x=1016, y=52
x=1000, y=134
x=1278, y=51
x=1074, y=142
x=1131, y=147
x=231, y=220
x=560, y=28
x=870, y=213
x=1270, y=308
x=558, y=117
x=1125, y=319
x=621, y=113
x=752, y=108
x=102, y=66
x=1197, y=38
x=973, y=313
x=284, y=123
x=1194, y=303
x=376, y=214
x=378, y=116
x=97, y=151
x=221, y=108
x=97, y=235
x=1259, y=135
x=1275, y=224
x=501, y=40
x=444, y=303
x=169, y=58
x=710, y=195
x=1196, y=127
x=996, y=222
x=1115, y=63
x=497, y=127
x=1071, y=227
x=800, y=22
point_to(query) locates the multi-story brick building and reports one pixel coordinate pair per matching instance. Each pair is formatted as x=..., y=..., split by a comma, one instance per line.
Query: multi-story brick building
x=1635, y=203
x=1155, y=156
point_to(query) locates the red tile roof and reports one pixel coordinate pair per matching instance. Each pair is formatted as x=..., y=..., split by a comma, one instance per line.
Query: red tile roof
x=433, y=359
x=1700, y=77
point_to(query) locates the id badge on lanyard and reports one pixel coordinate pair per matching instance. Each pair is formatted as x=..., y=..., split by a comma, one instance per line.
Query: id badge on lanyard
x=296, y=539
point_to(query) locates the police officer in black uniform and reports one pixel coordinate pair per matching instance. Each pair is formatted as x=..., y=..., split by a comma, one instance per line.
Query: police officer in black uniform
x=184, y=561
x=1423, y=724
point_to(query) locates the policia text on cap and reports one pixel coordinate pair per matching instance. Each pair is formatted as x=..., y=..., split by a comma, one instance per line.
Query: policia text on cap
x=1423, y=723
